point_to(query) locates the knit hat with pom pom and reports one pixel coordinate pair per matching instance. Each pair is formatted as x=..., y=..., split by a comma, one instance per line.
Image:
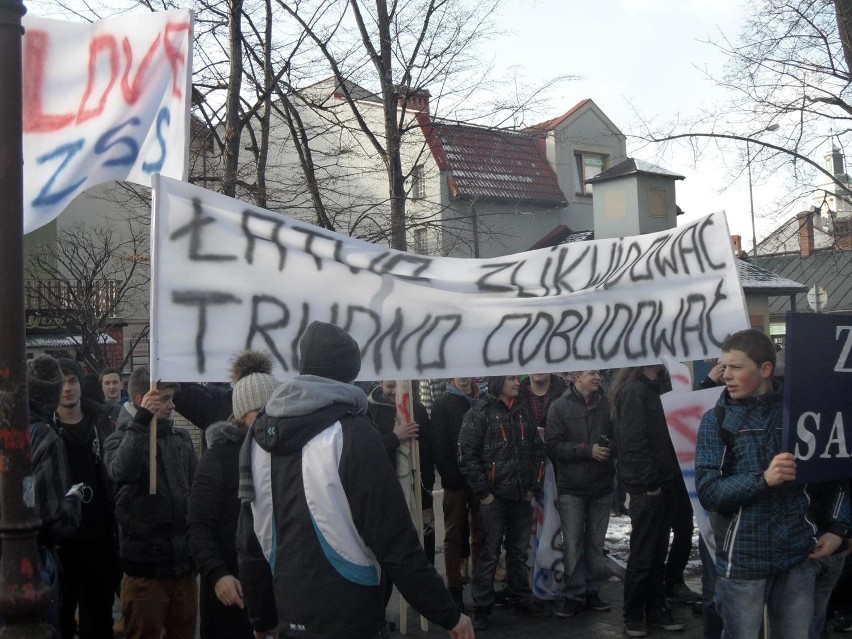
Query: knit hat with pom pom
x=253, y=383
x=44, y=382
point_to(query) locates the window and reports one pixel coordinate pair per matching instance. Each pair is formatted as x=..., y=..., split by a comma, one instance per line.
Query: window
x=418, y=183
x=420, y=241
x=588, y=165
x=657, y=202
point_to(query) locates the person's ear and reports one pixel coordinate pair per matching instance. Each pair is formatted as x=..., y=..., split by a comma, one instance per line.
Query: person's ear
x=137, y=401
x=766, y=369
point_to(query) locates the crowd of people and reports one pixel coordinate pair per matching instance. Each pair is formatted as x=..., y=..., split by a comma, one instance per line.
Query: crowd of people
x=293, y=522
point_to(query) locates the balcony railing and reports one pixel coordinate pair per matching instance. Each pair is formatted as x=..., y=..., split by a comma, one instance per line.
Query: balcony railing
x=53, y=295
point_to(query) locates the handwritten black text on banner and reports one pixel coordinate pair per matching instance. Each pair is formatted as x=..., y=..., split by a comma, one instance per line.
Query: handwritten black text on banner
x=229, y=276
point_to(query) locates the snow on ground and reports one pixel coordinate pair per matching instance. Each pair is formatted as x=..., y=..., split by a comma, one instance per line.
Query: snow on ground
x=618, y=545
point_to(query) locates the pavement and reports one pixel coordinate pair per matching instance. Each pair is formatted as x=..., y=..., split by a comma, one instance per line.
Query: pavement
x=589, y=623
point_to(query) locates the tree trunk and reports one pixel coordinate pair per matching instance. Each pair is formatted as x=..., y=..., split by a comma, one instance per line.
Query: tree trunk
x=231, y=150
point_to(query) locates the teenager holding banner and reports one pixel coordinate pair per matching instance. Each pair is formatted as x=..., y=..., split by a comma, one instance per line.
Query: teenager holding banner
x=502, y=456
x=159, y=591
x=762, y=520
x=381, y=405
x=340, y=518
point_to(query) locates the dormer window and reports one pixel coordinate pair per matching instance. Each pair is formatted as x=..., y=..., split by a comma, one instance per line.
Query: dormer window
x=587, y=165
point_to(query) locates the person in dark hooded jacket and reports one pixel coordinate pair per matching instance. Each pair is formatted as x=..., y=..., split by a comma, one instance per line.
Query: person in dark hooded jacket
x=340, y=518
x=58, y=508
x=214, y=507
x=89, y=556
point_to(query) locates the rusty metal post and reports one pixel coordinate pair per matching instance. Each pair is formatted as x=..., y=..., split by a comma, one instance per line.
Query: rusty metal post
x=24, y=599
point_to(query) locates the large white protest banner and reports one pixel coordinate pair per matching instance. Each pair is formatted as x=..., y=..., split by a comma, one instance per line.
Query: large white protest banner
x=228, y=276
x=103, y=101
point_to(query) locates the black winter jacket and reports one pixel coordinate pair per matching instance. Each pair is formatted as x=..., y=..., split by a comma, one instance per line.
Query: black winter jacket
x=573, y=427
x=447, y=414
x=500, y=450
x=152, y=528
x=646, y=455
x=84, y=443
x=323, y=518
x=214, y=510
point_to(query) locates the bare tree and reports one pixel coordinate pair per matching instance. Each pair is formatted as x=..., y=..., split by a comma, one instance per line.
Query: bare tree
x=86, y=279
x=257, y=64
x=789, y=71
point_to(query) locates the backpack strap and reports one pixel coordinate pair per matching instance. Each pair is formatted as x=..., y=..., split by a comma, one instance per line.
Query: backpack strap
x=727, y=437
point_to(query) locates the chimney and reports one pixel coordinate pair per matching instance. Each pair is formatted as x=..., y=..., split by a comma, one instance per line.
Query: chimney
x=843, y=234
x=806, y=232
x=737, y=243
x=414, y=100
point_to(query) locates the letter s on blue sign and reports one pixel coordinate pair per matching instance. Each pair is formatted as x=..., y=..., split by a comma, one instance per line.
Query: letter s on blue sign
x=105, y=143
x=164, y=118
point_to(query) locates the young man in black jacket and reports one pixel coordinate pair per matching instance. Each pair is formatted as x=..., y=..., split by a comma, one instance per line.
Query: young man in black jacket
x=502, y=456
x=89, y=556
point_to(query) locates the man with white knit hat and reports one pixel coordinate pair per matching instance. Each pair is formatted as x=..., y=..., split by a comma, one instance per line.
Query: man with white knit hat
x=214, y=507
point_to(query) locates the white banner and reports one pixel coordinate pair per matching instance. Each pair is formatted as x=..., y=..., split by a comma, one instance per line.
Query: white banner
x=228, y=276
x=103, y=101
x=684, y=409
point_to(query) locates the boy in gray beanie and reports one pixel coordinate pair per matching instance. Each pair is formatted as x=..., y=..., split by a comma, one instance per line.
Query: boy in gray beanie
x=213, y=505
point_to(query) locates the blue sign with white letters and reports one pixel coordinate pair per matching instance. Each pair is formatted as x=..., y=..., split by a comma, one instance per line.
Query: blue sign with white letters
x=818, y=395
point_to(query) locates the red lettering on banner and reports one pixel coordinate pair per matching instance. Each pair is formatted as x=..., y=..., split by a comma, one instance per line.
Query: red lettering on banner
x=175, y=56
x=99, y=43
x=102, y=48
x=35, y=120
x=686, y=421
x=132, y=91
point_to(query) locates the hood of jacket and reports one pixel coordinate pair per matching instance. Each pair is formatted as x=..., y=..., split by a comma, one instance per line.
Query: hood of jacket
x=453, y=390
x=303, y=407
x=377, y=398
x=223, y=433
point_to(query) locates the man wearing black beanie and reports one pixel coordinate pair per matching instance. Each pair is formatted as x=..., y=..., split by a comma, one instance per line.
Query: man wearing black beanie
x=316, y=461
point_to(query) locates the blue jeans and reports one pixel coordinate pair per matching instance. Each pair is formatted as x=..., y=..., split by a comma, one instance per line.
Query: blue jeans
x=584, y=523
x=828, y=572
x=787, y=597
x=515, y=519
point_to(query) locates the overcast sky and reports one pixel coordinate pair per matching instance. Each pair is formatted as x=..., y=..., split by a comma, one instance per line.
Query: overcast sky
x=640, y=56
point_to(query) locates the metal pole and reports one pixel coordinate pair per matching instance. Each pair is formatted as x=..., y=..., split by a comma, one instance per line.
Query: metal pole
x=751, y=201
x=24, y=599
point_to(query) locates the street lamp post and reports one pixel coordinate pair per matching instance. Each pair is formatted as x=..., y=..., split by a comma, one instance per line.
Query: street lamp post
x=24, y=598
x=771, y=127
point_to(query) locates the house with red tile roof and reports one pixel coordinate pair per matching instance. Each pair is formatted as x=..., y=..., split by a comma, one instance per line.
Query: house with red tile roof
x=500, y=190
